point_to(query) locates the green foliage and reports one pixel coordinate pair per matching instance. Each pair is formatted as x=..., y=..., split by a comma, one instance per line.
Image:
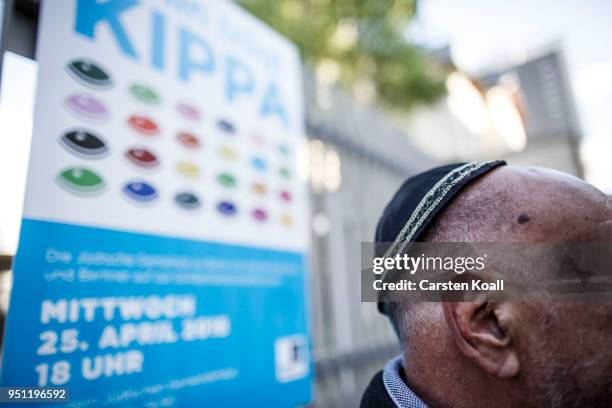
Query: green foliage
x=359, y=43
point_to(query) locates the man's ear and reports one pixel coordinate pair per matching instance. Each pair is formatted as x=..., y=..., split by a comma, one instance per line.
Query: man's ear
x=481, y=331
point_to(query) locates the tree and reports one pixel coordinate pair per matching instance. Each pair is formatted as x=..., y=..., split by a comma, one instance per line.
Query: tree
x=359, y=43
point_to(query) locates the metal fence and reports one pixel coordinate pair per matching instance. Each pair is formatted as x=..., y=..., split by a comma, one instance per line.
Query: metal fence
x=352, y=341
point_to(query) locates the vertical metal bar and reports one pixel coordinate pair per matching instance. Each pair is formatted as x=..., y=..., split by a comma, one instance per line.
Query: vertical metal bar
x=7, y=13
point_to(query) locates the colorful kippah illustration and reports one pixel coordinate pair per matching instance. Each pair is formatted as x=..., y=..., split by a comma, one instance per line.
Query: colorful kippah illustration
x=84, y=143
x=140, y=191
x=81, y=181
x=227, y=208
x=189, y=112
x=89, y=73
x=144, y=94
x=187, y=200
x=86, y=107
x=189, y=140
x=142, y=157
x=143, y=125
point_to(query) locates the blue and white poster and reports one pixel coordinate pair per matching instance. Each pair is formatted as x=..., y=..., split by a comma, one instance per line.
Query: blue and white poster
x=163, y=251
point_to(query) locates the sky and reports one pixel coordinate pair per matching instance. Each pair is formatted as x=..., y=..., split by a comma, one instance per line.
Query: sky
x=486, y=33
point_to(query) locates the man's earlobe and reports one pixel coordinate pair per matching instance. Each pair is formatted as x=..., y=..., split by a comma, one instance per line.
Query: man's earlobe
x=481, y=331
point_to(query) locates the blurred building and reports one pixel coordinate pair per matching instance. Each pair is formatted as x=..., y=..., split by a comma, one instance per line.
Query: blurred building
x=523, y=113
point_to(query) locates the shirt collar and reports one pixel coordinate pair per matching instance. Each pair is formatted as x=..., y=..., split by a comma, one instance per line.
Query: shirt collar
x=397, y=389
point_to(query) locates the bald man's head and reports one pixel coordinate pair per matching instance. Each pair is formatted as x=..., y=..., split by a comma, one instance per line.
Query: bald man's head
x=532, y=354
x=519, y=204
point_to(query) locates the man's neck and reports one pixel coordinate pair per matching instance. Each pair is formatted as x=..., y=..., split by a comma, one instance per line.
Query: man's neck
x=445, y=383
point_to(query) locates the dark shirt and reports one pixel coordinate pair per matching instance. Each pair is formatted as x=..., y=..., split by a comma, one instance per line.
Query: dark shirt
x=388, y=390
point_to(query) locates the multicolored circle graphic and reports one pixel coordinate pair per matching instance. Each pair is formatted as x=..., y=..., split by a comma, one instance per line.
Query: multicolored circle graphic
x=187, y=200
x=140, y=192
x=142, y=157
x=145, y=94
x=89, y=73
x=143, y=125
x=227, y=208
x=85, y=144
x=86, y=107
x=81, y=181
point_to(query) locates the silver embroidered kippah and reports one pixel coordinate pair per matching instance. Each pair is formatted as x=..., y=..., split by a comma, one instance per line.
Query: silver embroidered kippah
x=420, y=198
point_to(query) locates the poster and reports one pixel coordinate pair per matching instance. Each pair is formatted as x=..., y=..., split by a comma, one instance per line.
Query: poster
x=163, y=250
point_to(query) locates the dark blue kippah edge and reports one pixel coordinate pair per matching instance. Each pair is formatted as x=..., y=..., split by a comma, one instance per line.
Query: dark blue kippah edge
x=439, y=198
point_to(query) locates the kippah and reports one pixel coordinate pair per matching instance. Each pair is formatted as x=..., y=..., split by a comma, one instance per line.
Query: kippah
x=420, y=199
